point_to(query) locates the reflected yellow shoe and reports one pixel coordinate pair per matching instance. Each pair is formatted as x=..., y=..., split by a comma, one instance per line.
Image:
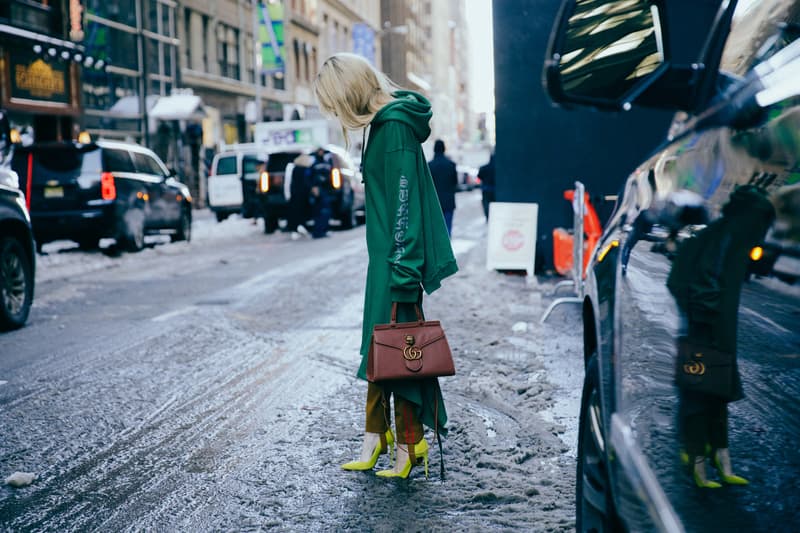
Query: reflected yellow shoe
x=722, y=460
x=699, y=475
x=380, y=443
x=404, y=462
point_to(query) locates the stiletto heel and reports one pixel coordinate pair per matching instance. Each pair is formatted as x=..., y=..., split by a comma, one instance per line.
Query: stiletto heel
x=722, y=460
x=383, y=444
x=699, y=475
x=420, y=453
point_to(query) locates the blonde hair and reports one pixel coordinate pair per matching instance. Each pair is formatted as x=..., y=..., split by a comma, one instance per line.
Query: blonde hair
x=350, y=89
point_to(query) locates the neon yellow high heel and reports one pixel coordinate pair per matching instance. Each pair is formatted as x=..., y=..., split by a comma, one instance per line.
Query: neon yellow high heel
x=722, y=460
x=419, y=452
x=699, y=475
x=384, y=444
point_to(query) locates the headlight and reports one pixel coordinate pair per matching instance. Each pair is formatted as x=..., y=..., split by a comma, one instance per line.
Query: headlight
x=336, y=178
x=757, y=253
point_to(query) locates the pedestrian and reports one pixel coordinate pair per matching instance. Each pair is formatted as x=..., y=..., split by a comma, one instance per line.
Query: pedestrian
x=445, y=178
x=321, y=193
x=300, y=194
x=706, y=281
x=407, y=243
x=486, y=175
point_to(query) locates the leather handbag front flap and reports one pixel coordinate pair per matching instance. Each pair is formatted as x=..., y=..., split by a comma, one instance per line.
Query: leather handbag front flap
x=408, y=334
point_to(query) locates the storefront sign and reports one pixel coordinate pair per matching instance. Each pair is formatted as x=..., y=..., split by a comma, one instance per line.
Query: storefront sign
x=512, y=236
x=38, y=80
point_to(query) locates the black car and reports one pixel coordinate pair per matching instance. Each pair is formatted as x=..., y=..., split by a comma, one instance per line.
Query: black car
x=671, y=316
x=282, y=168
x=86, y=192
x=17, y=257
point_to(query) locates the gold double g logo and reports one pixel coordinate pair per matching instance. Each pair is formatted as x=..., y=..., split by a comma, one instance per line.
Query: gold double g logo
x=695, y=368
x=411, y=352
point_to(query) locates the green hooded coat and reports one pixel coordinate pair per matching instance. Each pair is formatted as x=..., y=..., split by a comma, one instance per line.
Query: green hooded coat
x=407, y=242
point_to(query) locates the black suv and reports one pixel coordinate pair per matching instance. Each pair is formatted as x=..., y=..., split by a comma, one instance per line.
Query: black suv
x=17, y=257
x=86, y=192
x=275, y=186
x=672, y=331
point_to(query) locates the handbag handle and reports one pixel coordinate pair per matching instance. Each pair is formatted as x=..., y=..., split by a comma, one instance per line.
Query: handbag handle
x=416, y=309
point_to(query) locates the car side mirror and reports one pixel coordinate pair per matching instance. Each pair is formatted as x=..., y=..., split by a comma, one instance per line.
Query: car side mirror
x=604, y=53
x=171, y=172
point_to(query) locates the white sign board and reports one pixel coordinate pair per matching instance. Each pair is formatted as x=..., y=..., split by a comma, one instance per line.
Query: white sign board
x=290, y=133
x=512, y=236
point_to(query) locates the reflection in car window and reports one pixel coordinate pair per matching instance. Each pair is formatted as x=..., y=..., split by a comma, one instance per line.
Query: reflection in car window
x=277, y=162
x=117, y=161
x=226, y=165
x=147, y=164
x=609, y=45
x=760, y=28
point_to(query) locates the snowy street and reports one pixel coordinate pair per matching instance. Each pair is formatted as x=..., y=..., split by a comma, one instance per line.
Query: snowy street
x=211, y=386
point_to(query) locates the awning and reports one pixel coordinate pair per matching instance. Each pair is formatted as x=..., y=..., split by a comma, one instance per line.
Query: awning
x=178, y=107
x=128, y=106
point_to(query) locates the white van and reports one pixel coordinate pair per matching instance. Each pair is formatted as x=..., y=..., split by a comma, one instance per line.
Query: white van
x=232, y=181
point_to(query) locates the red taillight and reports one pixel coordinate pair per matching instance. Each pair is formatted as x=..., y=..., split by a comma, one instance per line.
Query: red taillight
x=107, y=187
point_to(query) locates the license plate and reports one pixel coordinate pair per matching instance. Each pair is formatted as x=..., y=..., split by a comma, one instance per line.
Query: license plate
x=54, y=192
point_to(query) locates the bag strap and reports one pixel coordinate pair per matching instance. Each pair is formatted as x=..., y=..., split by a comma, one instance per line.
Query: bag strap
x=416, y=310
x=436, y=428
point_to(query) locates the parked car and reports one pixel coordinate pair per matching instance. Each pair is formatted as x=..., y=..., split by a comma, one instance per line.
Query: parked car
x=232, y=181
x=17, y=257
x=739, y=147
x=86, y=192
x=275, y=185
x=467, y=178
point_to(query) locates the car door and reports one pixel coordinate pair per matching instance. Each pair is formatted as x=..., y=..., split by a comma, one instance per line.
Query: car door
x=225, y=183
x=156, y=200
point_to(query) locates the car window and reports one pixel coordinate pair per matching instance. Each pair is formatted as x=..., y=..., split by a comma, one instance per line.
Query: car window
x=226, y=165
x=55, y=162
x=117, y=161
x=147, y=165
x=251, y=164
x=277, y=162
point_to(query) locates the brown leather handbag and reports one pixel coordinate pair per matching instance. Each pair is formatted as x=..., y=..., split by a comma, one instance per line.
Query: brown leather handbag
x=409, y=350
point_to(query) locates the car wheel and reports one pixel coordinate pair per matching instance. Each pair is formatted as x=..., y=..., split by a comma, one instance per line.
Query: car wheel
x=16, y=284
x=221, y=216
x=184, y=230
x=133, y=230
x=270, y=224
x=594, y=507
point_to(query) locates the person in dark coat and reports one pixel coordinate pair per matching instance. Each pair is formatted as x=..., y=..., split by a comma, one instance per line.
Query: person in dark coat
x=706, y=281
x=445, y=178
x=320, y=192
x=299, y=200
x=486, y=175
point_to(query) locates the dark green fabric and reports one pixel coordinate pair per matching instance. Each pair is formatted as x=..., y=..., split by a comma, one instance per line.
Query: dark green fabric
x=407, y=241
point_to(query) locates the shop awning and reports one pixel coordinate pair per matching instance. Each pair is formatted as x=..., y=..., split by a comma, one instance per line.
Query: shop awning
x=178, y=107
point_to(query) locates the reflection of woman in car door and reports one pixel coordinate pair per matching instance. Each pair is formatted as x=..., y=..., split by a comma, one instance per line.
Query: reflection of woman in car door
x=706, y=280
x=407, y=242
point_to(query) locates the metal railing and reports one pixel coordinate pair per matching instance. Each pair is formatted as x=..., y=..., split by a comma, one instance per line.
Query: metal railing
x=578, y=240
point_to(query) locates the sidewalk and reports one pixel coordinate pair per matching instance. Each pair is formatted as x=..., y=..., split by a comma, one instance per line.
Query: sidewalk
x=513, y=408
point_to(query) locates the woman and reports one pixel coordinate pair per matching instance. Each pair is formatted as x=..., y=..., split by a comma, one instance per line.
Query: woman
x=706, y=280
x=407, y=243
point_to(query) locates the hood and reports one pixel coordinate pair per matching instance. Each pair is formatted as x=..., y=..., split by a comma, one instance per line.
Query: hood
x=411, y=108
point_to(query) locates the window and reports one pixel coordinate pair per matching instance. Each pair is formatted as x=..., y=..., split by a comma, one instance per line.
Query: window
x=226, y=165
x=228, y=51
x=117, y=161
x=187, y=31
x=147, y=165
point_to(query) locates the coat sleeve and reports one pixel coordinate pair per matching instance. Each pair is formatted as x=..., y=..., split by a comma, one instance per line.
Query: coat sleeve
x=407, y=250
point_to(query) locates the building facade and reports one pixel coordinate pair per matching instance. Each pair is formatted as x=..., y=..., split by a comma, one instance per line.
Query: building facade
x=40, y=58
